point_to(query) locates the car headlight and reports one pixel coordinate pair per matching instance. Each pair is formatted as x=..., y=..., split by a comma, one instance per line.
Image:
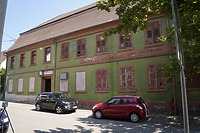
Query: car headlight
x=139, y=106
x=65, y=102
x=94, y=107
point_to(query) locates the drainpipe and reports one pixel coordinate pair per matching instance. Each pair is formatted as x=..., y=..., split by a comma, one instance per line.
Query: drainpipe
x=54, y=64
x=173, y=78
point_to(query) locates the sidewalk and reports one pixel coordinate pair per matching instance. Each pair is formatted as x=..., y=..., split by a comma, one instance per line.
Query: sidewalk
x=176, y=121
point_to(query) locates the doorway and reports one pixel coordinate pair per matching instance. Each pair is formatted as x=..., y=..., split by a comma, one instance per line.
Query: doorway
x=46, y=84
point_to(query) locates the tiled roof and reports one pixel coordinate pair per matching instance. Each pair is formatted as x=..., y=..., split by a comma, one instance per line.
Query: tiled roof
x=70, y=22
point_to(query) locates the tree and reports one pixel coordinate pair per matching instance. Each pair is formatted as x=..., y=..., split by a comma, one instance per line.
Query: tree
x=133, y=16
x=2, y=76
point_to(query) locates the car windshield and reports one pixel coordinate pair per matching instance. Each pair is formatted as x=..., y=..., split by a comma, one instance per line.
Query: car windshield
x=61, y=96
x=140, y=100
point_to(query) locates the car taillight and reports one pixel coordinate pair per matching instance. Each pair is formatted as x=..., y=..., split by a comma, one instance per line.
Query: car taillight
x=36, y=98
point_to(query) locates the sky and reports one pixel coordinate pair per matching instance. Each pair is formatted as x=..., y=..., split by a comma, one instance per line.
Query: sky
x=22, y=15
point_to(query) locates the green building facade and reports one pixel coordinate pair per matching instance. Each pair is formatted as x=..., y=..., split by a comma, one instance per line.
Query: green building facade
x=69, y=54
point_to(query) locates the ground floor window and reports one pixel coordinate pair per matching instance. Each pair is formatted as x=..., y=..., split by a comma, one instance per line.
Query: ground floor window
x=101, y=80
x=31, y=85
x=81, y=81
x=193, y=82
x=20, y=85
x=156, y=80
x=10, y=85
x=64, y=82
x=126, y=78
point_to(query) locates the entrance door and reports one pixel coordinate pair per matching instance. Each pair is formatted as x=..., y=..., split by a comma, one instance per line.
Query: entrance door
x=46, y=84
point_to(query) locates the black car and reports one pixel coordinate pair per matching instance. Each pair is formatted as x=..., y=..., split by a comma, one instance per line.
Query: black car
x=55, y=101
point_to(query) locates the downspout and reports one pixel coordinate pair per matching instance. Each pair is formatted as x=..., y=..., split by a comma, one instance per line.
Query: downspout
x=54, y=64
x=173, y=78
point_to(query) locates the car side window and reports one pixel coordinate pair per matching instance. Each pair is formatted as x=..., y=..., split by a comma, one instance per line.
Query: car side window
x=43, y=96
x=126, y=101
x=113, y=101
x=51, y=96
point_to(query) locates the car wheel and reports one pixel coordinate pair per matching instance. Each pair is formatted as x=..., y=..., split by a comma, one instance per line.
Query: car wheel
x=37, y=107
x=98, y=114
x=59, y=110
x=134, y=117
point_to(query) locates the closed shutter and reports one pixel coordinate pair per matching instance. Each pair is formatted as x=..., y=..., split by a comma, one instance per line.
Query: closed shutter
x=101, y=80
x=126, y=78
x=65, y=50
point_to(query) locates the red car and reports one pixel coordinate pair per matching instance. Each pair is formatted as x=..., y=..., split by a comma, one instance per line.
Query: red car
x=132, y=107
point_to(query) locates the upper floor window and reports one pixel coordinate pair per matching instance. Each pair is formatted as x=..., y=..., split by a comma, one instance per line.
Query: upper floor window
x=101, y=44
x=47, y=54
x=81, y=47
x=156, y=80
x=126, y=80
x=22, y=60
x=125, y=42
x=33, y=57
x=64, y=50
x=12, y=62
x=153, y=32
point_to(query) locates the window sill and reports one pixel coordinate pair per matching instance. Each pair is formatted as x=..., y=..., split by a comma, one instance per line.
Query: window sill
x=47, y=62
x=193, y=89
x=152, y=45
x=102, y=91
x=32, y=65
x=10, y=92
x=64, y=91
x=80, y=91
x=64, y=59
x=101, y=53
x=11, y=68
x=21, y=67
x=121, y=50
x=127, y=90
x=157, y=90
x=77, y=57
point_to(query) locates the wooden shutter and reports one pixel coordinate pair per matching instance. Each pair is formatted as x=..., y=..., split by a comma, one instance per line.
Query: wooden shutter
x=127, y=78
x=101, y=80
x=65, y=50
x=81, y=47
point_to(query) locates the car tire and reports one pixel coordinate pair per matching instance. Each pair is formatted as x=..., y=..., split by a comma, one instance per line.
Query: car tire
x=134, y=117
x=59, y=110
x=98, y=114
x=38, y=107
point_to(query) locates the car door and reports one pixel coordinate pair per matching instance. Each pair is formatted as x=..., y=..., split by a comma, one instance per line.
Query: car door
x=51, y=102
x=44, y=101
x=110, y=108
x=124, y=108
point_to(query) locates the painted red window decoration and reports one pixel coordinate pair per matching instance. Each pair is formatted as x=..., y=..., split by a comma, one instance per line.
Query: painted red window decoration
x=81, y=47
x=127, y=78
x=156, y=80
x=12, y=62
x=22, y=60
x=125, y=42
x=47, y=55
x=102, y=80
x=153, y=32
x=65, y=50
x=101, y=44
x=193, y=82
x=33, y=57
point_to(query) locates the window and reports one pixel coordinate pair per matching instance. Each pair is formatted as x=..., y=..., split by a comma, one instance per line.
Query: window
x=125, y=43
x=153, y=32
x=193, y=82
x=81, y=81
x=31, y=85
x=64, y=51
x=101, y=44
x=20, y=85
x=156, y=81
x=81, y=47
x=126, y=79
x=22, y=60
x=33, y=57
x=12, y=62
x=113, y=101
x=102, y=80
x=10, y=85
x=64, y=82
x=47, y=54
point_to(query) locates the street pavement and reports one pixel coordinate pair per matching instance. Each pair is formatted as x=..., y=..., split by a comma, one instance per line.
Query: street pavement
x=25, y=119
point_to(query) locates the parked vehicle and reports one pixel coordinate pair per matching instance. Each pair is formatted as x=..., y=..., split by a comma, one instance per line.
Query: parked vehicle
x=4, y=122
x=55, y=101
x=132, y=107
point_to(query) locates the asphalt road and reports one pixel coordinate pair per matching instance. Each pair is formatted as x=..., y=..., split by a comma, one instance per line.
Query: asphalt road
x=25, y=119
